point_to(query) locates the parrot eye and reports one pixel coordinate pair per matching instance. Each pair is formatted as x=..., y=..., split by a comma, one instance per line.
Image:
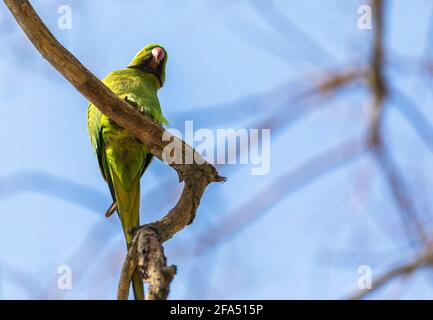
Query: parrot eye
x=147, y=60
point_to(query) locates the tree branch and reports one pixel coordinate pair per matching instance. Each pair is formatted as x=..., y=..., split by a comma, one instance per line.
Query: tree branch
x=196, y=176
x=376, y=77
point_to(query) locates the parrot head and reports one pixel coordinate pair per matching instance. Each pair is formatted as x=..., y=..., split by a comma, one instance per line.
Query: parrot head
x=151, y=59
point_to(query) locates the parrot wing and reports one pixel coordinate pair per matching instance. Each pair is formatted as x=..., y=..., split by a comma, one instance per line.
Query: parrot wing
x=95, y=131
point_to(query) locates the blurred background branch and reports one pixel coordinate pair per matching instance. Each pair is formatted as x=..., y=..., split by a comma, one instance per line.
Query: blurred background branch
x=352, y=142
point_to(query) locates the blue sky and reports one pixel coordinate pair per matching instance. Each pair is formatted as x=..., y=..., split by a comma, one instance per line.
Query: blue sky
x=229, y=66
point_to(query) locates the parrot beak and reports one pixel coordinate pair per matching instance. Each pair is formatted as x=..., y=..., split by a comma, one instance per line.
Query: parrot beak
x=157, y=56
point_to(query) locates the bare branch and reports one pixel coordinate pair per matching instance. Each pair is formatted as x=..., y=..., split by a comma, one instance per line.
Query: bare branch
x=153, y=263
x=340, y=79
x=376, y=76
x=196, y=176
x=100, y=95
x=379, y=90
x=128, y=269
x=400, y=194
x=409, y=109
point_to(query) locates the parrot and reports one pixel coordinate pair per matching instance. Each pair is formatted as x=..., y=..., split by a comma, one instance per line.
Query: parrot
x=122, y=157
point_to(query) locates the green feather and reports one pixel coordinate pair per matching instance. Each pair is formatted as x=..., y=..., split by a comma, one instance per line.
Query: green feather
x=121, y=156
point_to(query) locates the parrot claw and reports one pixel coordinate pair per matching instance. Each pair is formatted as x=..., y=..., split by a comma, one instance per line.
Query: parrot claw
x=131, y=102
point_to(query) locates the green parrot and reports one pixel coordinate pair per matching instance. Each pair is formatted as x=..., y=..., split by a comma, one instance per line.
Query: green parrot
x=122, y=157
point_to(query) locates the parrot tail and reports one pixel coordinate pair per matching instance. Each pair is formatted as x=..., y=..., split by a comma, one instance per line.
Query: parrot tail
x=128, y=206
